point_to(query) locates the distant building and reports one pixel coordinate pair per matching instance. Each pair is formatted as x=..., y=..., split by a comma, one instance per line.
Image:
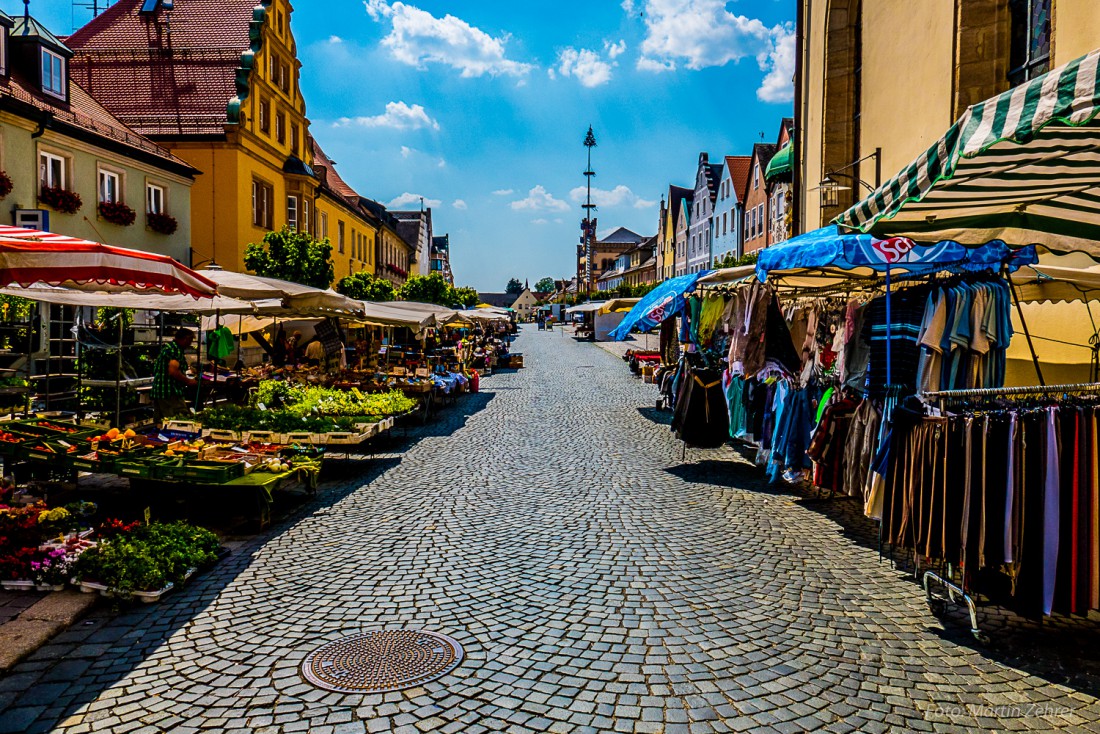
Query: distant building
x=666, y=231
x=415, y=227
x=607, y=250
x=59, y=143
x=756, y=198
x=680, y=233
x=441, y=257
x=350, y=227
x=727, y=218
x=778, y=176
x=392, y=253
x=699, y=229
x=641, y=265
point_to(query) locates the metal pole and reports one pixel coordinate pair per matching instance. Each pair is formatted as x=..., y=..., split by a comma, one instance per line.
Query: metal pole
x=118, y=375
x=1027, y=333
x=889, y=331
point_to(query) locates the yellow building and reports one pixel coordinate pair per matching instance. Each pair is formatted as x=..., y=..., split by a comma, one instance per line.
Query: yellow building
x=349, y=226
x=893, y=75
x=216, y=82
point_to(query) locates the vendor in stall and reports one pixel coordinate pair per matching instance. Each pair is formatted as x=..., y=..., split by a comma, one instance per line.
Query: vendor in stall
x=169, y=379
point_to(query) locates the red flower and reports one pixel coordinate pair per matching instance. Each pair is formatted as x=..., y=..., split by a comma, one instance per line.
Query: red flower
x=116, y=212
x=5, y=184
x=66, y=202
x=162, y=223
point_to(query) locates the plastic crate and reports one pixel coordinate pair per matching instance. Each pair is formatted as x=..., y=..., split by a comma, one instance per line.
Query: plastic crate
x=104, y=465
x=207, y=472
x=32, y=427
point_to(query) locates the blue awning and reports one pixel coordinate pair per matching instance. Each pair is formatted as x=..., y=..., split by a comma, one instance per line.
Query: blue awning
x=666, y=300
x=828, y=248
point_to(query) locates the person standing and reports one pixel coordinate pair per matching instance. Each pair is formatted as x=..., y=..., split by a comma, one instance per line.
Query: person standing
x=169, y=380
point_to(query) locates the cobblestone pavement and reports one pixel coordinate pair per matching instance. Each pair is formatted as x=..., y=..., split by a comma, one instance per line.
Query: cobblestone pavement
x=597, y=582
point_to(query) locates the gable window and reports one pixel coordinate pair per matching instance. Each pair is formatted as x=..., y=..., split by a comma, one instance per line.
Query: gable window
x=53, y=74
x=51, y=171
x=110, y=187
x=265, y=117
x=154, y=199
x=263, y=202
x=756, y=176
x=292, y=212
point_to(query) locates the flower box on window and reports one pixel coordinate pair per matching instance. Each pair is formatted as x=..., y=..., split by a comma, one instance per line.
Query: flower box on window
x=118, y=213
x=5, y=184
x=55, y=197
x=162, y=223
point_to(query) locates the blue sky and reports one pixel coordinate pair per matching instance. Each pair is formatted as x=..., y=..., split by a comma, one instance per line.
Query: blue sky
x=481, y=108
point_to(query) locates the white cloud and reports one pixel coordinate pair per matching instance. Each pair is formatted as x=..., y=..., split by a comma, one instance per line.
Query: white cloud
x=442, y=163
x=406, y=151
x=460, y=204
x=335, y=39
x=587, y=66
x=614, y=50
x=407, y=199
x=539, y=199
x=628, y=6
x=540, y=221
x=398, y=115
x=618, y=196
x=778, y=83
x=417, y=37
x=503, y=192
x=700, y=33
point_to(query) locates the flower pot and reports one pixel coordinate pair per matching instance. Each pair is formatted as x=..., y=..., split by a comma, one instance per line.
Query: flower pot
x=50, y=587
x=18, y=585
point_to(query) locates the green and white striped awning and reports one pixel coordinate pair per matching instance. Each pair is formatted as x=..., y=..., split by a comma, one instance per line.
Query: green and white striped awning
x=1023, y=167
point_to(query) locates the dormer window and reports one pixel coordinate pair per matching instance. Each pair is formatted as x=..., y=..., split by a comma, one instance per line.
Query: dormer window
x=53, y=74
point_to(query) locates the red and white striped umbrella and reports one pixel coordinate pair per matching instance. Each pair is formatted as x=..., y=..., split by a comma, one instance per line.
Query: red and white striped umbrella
x=28, y=257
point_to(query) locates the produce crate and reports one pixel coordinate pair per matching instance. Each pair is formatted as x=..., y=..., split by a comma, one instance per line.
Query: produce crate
x=218, y=434
x=192, y=427
x=31, y=451
x=207, y=472
x=99, y=465
x=32, y=427
x=263, y=436
x=303, y=437
x=9, y=448
x=343, y=438
x=139, y=467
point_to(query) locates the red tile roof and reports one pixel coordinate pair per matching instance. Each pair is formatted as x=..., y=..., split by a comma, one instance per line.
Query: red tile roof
x=161, y=83
x=738, y=166
x=84, y=112
x=326, y=169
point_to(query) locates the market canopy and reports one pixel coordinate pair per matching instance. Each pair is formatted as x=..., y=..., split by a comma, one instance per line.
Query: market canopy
x=664, y=301
x=590, y=307
x=29, y=257
x=1022, y=167
x=780, y=164
x=827, y=249
x=619, y=304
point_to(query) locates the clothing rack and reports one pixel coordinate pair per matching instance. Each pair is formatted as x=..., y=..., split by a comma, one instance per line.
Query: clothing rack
x=1084, y=387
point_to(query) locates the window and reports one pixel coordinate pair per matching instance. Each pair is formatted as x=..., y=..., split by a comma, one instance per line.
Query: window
x=1029, y=40
x=305, y=216
x=3, y=50
x=154, y=199
x=756, y=176
x=51, y=171
x=323, y=218
x=340, y=236
x=292, y=212
x=110, y=189
x=294, y=138
x=265, y=117
x=53, y=74
x=280, y=127
x=263, y=203
x=724, y=222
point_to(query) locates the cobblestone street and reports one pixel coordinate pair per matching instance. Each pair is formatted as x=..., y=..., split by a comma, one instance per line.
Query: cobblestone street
x=597, y=581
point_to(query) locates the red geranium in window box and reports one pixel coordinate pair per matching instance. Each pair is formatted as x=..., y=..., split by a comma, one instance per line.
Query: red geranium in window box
x=5, y=184
x=116, y=212
x=66, y=202
x=160, y=222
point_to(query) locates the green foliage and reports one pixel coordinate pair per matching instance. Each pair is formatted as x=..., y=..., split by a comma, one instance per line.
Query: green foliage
x=148, y=558
x=432, y=288
x=365, y=287
x=466, y=296
x=732, y=261
x=631, y=291
x=514, y=286
x=291, y=408
x=545, y=285
x=104, y=314
x=293, y=256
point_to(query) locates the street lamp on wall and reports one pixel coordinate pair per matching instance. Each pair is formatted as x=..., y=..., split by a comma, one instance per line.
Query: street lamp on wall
x=830, y=188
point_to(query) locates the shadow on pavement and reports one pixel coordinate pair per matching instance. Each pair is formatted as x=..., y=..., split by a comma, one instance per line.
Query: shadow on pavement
x=662, y=417
x=78, y=665
x=1061, y=649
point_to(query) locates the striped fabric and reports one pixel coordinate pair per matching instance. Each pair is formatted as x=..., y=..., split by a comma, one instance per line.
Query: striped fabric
x=1023, y=167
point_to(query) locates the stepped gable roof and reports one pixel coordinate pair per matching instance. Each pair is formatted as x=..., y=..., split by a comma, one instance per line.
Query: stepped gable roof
x=738, y=166
x=167, y=84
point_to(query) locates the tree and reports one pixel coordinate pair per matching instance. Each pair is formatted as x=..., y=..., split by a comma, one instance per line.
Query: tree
x=732, y=261
x=365, y=287
x=546, y=285
x=466, y=296
x=514, y=286
x=432, y=288
x=294, y=256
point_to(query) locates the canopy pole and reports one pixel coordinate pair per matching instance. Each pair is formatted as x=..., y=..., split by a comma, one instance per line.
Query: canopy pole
x=1027, y=333
x=889, y=330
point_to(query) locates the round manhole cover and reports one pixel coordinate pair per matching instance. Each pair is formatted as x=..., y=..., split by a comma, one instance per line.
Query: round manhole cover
x=381, y=661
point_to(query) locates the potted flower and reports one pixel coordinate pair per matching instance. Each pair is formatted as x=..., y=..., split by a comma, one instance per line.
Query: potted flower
x=15, y=568
x=52, y=571
x=161, y=223
x=5, y=184
x=66, y=202
x=116, y=212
